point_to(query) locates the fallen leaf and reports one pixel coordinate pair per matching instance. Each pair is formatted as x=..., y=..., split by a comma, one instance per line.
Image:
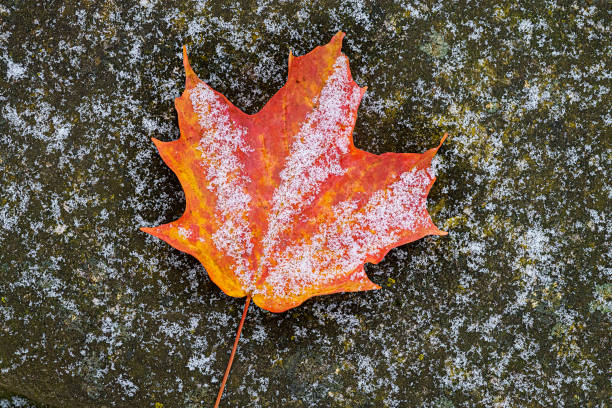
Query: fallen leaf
x=280, y=205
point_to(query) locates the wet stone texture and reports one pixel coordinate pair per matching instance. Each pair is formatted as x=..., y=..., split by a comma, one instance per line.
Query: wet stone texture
x=512, y=309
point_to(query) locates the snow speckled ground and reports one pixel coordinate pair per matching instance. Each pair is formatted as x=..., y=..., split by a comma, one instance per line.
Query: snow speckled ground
x=512, y=309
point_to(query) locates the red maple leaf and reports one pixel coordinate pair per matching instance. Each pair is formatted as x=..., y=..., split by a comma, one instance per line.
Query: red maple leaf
x=280, y=205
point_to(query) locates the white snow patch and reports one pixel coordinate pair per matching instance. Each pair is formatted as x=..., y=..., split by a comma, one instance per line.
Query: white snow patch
x=221, y=140
x=315, y=154
x=339, y=248
x=128, y=386
x=14, y=71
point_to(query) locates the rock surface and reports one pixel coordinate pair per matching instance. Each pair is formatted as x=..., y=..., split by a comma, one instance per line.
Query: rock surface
x=512, y=308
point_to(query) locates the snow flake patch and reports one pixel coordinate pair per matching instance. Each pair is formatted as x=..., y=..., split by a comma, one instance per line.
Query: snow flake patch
x=220, y=142
x=315, y=153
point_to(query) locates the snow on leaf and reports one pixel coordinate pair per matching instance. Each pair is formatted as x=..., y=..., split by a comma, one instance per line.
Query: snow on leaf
x=281, y=205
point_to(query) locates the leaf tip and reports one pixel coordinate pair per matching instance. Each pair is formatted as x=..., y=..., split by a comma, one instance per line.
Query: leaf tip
x=190, y=76
x=163, y=146
x=441, y=233
x=338, y=36
x=435, y=149
x=158, y=143
x=148, y=230
x=443, y=139
x=336, y=42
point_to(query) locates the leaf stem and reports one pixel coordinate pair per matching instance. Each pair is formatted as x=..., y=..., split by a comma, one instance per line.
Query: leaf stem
x=231, y=360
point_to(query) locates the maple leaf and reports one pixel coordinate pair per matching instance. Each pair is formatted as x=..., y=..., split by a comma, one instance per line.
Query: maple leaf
x=280, y=205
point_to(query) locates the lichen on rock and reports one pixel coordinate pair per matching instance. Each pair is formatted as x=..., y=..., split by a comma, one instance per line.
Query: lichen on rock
x=510, y=309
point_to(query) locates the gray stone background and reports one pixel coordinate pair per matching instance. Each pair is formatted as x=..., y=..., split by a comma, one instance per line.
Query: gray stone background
x=512, y=309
